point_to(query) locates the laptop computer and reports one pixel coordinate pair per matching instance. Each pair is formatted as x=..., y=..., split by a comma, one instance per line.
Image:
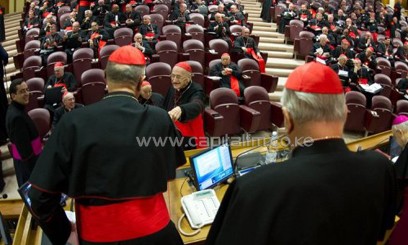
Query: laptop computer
x=211, y=167
x=53, y=96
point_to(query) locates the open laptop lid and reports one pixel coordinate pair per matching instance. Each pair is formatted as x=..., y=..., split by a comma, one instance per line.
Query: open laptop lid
x=211, y=167
x=53, y=95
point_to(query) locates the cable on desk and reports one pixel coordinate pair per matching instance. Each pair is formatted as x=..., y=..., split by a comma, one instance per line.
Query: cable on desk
x=182, y=231
x=181, y=188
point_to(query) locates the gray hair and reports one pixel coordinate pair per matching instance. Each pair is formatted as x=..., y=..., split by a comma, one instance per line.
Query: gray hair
x=119, y=73
x=307, y=107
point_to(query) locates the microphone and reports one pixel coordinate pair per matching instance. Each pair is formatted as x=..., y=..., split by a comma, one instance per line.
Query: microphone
x=4, y=196
x=254, y=148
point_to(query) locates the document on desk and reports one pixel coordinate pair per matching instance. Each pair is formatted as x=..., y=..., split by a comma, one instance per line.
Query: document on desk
x=373, y=88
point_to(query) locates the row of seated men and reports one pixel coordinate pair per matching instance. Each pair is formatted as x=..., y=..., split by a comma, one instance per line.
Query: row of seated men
x=75, y=33
x=352, y=18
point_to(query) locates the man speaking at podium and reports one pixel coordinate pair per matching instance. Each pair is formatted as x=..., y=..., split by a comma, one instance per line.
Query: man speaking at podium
x=325, y=194
x=95, y=156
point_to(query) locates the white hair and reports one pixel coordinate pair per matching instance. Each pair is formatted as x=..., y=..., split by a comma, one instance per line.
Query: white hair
x=308, y=107
x=402, y=126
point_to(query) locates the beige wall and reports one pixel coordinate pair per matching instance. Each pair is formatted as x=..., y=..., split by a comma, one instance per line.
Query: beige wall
x=13, y=6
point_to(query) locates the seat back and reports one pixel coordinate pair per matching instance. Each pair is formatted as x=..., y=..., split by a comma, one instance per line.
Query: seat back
x=385, y=82
x=356, y=104
x=158, y=20
x=93, y=87
x=220, y=46
x=382, y=106
x=167, y=51
x=62, y=20
x=355, y=97
x=31, y=47
x=161, y=9
x=105, y=53
x=198, y=72
x=196, y=32
x=31, y=64
x=143, y=10
x=225, y=102
x=401, y=69
x=402, y=107
x=384, y=65
x=36, y=87
x=257, y=98
x=173, y=33
x=123, y=36
x=305, y=42
x=197, y=18
x=158, y=74
x=250, y=68
x=41, y=119
x=32, y=34
x=63, y=10
x=57, y=56
x=81, y=62
x=296, y=26
x=196, y=50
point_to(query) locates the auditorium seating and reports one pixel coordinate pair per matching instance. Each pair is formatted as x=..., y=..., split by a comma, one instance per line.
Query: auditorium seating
x=226, y=117
x=36, y=87
x=92, y=88
x=123, y=36
x=198, y=72
x=253, y=77
x=81, y=62
x=167, y=52
x=158, y=74
x=57, y=56
x=293, y=30
x=42, y=121
x=379, y=118
x=356, y=106
x=257, y=98
x=402, y=107
x=196, y=50
x=172, y=33
x=104, y=55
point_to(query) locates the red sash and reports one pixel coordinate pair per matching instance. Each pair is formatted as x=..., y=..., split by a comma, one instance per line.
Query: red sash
x=84, y=3
x=113, y=23
x=45, y=14
x=363, y=81
x=260, y=60
x=68, y=28
x=235, y=85
x=193, y=128
x=102, y=43
x=352, y=35
x=122, y=221
x=303, y=17
x=150, y=34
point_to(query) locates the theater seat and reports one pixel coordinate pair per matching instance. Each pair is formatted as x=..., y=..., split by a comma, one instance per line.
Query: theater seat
x=167, y=52
x=197, y=74
x=385, y=82
x=123, y=36
x=356, y=105
x=172, y=33
x=81, y=62
x=253, y=77
x=105, y=53
x=57, y=56
x=30, y=66
x=143, y=10
x=196, y=32
x=257, y=98
x=42, y=121
x=379, y=118
x=196, y=50
x=304, y=44
x=402, y=107
x=226, y=117
x=158, y=74
x=36, y=87
x=93, y=86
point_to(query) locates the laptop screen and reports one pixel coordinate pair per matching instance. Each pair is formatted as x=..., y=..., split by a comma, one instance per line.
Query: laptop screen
x=212, y=166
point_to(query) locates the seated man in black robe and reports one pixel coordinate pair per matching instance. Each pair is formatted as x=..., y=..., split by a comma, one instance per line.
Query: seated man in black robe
x=180, y=16
x=68, y=104
x=367, y=58
x=220, y=28
x=143, y=45
x=184, y=102
x=321, y=50
x=67, y=25
x=286, y=16
x=148, y=97
x=113, y=20
x=231, y=76
x=247, y=46
x=342, y=70
x=402, y=53
x=86, y=22
x=236, y=17
x=50, y=43
x=97, y=38
x=31, y=21
x=323, y=187
x=133, y=19
x=72, y=41
x=149, y=31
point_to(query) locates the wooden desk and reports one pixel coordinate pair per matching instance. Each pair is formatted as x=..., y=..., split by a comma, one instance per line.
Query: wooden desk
x=26, y=236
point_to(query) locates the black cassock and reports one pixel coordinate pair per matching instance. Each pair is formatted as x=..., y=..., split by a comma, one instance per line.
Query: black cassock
x=95, y=155
x=325, y=194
